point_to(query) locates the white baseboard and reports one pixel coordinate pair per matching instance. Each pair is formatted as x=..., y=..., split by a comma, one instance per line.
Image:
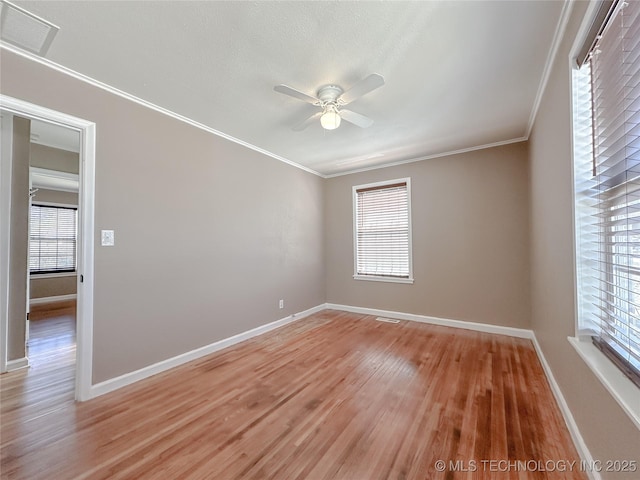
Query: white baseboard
x=17, y=364
x=572, y=426
x=57, y=298
x=445, y=322
x=132, y=377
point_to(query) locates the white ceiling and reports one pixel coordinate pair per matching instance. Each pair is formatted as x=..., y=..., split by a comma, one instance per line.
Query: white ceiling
x=459, y=74
x=51, y=135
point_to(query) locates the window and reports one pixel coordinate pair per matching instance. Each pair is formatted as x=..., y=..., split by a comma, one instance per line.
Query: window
x=52, y=239
x=606, y=92
x=382, y=231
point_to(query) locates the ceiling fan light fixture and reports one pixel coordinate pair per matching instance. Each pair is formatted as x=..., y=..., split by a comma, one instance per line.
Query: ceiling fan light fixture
x=330, y=119
x=331, y=98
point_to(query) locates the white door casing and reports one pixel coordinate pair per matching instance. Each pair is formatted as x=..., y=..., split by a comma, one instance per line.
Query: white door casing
x=86, y=202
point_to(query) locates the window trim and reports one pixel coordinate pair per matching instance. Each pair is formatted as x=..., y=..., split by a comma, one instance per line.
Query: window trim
x=619, y=386
x=381, y=278
x=61, y=272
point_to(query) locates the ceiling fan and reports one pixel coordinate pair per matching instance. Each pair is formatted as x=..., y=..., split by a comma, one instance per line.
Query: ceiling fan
x=331, y=99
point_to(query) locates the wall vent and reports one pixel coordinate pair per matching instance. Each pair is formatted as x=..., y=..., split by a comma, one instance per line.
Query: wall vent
x=25, y=30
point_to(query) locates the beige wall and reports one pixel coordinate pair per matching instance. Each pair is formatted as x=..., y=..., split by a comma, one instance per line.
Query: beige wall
x=51, y=158
x=55, y=196
x=45, y=287
x=607, y=430
x=470, y=239
x=19, y=239
x=209, y=235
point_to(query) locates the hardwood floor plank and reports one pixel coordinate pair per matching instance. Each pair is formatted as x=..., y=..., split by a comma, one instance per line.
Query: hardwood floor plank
x=333, y=396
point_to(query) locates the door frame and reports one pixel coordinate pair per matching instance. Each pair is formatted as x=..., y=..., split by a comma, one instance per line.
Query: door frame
x=85, y=261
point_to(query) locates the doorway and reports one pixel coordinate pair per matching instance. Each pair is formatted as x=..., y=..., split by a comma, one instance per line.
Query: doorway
x=85, y=228
x=54, y=168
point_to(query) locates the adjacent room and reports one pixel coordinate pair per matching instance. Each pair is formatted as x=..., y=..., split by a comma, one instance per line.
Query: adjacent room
x=320, y=240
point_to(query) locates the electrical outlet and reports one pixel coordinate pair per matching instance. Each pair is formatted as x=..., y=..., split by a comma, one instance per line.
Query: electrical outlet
x=281, y=304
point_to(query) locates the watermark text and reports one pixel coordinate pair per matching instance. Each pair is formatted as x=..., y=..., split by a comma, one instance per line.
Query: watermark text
x=509, y=465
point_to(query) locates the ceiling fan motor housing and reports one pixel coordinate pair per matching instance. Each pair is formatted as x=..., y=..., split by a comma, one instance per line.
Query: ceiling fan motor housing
x=331, y=99
x=329, y=94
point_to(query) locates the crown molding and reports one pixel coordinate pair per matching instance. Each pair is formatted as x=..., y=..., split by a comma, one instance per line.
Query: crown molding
x=558, y=36
x=430, y=157
x=115, y=91
x=555, y=45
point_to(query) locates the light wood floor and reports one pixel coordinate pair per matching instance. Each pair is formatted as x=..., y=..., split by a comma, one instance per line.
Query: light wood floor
x=332, y=396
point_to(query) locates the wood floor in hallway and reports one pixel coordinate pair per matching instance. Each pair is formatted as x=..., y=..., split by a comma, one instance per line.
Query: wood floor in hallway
x=333, y=396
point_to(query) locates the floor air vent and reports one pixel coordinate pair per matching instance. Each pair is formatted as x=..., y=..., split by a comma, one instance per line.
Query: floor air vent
x=387, y=320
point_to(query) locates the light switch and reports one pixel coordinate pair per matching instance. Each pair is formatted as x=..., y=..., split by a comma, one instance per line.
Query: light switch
x=108, y=238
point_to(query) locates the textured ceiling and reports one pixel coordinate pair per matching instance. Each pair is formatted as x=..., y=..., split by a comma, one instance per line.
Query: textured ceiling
x=458, y=74
x=55, y=136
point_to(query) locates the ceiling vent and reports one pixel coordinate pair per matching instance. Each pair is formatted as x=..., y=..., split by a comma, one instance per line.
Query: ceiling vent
x=25, y=30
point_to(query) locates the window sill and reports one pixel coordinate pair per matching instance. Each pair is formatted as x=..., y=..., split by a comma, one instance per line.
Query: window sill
x=618, y=385
x=34, y=276
x=372, y=278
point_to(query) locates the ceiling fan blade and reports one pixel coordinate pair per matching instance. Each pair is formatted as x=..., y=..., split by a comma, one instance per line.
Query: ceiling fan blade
x=292, y=92
x=355, y=118
x=298, y=127
x=361, y=88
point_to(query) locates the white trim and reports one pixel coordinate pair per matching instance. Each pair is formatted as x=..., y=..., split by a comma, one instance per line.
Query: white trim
x=617, y=384
x=558, y=36
x=85, y=261
x=354, y=189
x=624, y=392
x=152, y=106
x=54, y=299
x=373, y=278
x=445, y=322
x=36, y=276
x=44, y=177
x=572, y=426
x=53, y=274
x=429, y=157
x=86, y=198
x=146, y=372
x=132, y=377
x=139, y=101
x=578, y=267
x=5, y=237
x=17, y=364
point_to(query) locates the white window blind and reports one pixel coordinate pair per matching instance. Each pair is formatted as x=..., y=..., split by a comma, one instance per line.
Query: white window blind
x=52, y=239
x=607, y=184
x=382, y=230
